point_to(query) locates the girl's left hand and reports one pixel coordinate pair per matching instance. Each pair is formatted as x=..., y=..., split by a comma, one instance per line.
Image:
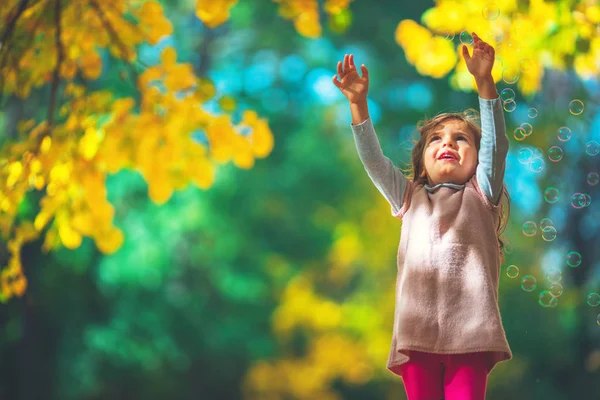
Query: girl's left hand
x=481, y=62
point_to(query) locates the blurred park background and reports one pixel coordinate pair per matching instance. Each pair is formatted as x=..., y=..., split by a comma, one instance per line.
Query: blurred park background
x=184, y=215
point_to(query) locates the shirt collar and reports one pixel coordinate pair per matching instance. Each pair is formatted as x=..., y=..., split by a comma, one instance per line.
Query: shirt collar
x=431, y=189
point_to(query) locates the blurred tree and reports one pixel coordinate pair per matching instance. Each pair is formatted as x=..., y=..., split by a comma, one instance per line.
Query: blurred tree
x=63, y=159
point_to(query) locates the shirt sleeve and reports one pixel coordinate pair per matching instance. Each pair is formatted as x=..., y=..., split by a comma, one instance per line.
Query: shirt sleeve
x=388, y=178
x=493, y=148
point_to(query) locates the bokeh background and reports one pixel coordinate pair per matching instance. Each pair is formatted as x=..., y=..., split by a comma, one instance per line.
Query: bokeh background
x=184, y=215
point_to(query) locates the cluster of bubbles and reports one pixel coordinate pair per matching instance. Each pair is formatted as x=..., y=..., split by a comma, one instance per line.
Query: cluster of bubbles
x=532, y=157
x=578, y=200
x=507, y=95
x=546, y=226
x=548, y=298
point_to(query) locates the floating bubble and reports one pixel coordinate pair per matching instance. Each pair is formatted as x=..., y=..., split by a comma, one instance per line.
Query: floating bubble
x=592, y=148
x=549, y=233
x=593, y=299
x=587, y=199
x=546, y=223
x=554, y=275
x=507, y=247
x=466, y=38
x=576, y=107
x=512, y=271
x=491, y=12
x=532, y=113
x=529, y=228
x=498, y=63
x=598, y=319
x=547, y=300
x=551, y=195
x=564, y=133
x=527, y=128
x=528, y=283
x=449, y=36
x=509, y=106
x=593, y=178
x=556, y=289
x=555, y=154
x=573, y=259
x=537, y=165
x=510, y=74
x=579, y=200
x=507, y=94
x=519, y=133
x=525, y=65
x=525, y=155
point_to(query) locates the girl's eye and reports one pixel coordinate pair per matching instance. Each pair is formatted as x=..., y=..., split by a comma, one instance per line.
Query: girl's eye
x=462, y=137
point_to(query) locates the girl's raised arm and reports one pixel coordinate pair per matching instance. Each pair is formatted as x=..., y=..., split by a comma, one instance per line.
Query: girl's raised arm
x=386, y=177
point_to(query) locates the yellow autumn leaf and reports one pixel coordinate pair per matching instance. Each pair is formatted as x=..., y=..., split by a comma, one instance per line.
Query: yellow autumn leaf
x=110, y=240
x=214, y=12
x=69, y=237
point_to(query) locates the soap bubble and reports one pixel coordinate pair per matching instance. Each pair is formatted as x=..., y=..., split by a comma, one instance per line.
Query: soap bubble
x=509, y=106
x=529, y=228
x=576, y=107
x=556, y=289
x=546, y=223
x=580, y=200
x=527, y=128
x=592, y=148
x=564, y=133
x=525, y=155
x=512, y=271
x=547, y=300
x=554, y=275
x=528, y=283
x=491, y=12
x=549, y=233
x=555, y=154
x=593, y=178
x=525, y=65
x=593, y=299
x=466, y=38
x=551, y=195
x=573, y=259
x=519, y=133
x=537, y=165
x=507, y=94
x=510, y=74
x=532, y=113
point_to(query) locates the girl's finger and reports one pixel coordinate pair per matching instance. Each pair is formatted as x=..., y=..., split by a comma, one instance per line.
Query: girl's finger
x=336, y=82
x=352, y=61
x=365, y=71
x=339, y=69
x=346, y=63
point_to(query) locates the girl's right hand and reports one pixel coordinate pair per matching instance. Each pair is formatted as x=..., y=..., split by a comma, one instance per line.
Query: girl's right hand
x=351, y=85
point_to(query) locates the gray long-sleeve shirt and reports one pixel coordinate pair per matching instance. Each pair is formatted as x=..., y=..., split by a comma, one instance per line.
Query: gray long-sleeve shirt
x=448, y=256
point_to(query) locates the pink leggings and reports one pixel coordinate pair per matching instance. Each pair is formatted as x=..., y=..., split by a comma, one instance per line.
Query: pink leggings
x=429, y=376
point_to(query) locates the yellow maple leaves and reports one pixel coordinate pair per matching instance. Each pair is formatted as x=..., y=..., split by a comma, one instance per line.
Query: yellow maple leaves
x=303, y=13
x=68, y=161
x=526, y=42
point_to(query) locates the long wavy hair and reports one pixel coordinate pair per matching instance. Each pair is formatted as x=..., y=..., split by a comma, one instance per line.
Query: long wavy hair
x=417, y=173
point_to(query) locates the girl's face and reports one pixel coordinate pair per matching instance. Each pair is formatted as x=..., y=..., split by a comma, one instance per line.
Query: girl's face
x=450, y=154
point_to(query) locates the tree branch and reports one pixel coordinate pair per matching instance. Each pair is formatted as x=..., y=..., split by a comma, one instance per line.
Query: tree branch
x=7, y=33
x=59, y=60
x=114, y=37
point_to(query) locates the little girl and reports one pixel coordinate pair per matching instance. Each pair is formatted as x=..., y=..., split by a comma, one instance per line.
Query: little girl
x=447, y=332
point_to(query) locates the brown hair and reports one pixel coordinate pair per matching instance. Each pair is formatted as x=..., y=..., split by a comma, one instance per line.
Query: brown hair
x=416, y=171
